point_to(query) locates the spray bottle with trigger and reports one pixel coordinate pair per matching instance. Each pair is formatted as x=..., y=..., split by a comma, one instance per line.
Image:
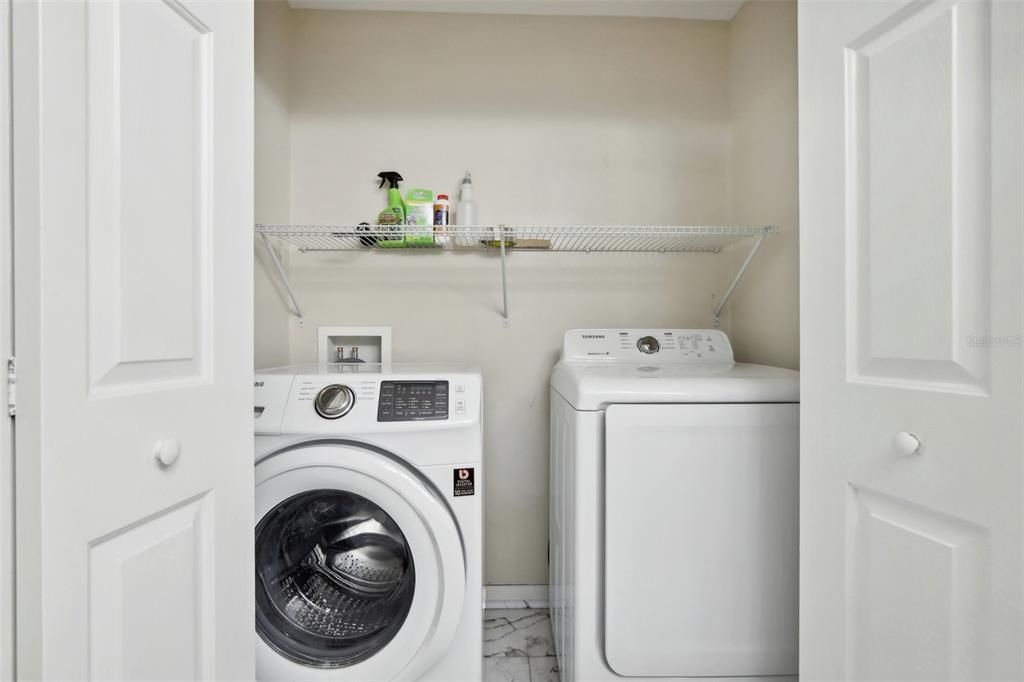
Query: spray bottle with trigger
x=394, y=214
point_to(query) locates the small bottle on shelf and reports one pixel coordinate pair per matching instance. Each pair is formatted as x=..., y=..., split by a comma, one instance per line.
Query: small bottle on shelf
x=442, y=219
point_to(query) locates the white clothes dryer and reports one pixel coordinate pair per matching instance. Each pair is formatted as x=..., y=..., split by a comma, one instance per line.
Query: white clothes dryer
x=368, y=538
x=674, y=509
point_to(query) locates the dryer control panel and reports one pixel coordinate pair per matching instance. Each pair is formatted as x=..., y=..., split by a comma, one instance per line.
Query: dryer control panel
x=649, y=346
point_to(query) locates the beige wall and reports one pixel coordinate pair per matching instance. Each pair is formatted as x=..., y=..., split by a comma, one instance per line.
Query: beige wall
x=763, y=317
x=273, y=173
x=561, y=120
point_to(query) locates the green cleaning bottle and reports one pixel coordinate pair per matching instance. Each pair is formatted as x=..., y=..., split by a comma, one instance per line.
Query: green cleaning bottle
x=394, y=214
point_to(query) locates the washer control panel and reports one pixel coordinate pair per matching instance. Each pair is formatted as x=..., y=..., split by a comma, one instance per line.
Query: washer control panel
x=349, y=399
x=411, y=401
x=656, y=346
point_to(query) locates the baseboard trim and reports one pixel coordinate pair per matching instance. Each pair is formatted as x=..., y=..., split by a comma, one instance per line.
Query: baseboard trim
x=516, y=597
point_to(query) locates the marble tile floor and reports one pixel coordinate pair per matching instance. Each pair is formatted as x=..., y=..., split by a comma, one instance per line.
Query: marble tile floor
x=519, y=646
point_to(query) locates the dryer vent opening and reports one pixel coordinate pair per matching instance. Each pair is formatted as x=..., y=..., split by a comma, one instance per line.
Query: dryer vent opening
x=334, y=578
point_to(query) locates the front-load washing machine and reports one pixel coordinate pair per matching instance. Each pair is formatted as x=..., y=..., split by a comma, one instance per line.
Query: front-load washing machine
x=674, y=518
x=368, y=522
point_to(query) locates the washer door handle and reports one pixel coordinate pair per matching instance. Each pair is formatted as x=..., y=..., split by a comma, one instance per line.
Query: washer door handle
x=167, y=452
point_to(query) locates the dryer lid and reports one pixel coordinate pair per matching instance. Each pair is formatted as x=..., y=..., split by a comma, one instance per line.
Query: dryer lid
x=701, y=538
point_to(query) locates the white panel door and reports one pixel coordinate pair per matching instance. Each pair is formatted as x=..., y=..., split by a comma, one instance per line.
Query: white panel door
x=700, y=540
x=911, y=117
x=133, y=222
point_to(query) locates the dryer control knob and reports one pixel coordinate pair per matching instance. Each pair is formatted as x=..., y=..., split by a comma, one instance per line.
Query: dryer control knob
x=649, y=345
x=334, y=401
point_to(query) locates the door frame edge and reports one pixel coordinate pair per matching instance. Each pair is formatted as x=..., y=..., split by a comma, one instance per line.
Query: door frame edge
x=7, y=576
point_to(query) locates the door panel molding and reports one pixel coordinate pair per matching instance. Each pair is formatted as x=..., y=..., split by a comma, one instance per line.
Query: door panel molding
x=918, y=185
x=150, y=159
x=918, y=575
x=170, y=555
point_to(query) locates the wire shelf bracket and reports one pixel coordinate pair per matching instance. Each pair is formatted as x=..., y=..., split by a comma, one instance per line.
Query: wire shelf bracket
x=283, y=274
x=500, y=236
x=717, y=312
x=505, y=239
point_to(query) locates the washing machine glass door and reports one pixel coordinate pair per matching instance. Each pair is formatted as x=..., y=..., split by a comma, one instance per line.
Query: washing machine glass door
x=337, y=578
x=360, y=569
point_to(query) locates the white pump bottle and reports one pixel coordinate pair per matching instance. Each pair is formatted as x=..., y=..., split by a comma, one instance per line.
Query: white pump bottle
x=466, y=210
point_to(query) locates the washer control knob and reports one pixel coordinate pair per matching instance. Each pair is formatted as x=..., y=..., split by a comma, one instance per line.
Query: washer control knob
x=334, y=401
x=649, y=345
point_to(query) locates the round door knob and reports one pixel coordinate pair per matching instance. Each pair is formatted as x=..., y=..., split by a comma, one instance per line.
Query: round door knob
x=906, y=443
x=649, y=345
x=167, y=451
x=334, y=401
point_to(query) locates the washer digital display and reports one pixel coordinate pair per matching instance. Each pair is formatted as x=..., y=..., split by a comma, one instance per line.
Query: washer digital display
x=407, y=401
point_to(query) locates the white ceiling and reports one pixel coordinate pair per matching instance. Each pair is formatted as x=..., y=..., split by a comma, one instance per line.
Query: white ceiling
x=712, y=10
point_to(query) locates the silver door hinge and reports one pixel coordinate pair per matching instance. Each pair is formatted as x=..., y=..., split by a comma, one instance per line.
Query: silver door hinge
x=12, y=386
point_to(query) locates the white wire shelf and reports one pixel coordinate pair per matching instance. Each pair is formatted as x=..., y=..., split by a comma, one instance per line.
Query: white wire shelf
x=504, y=239
x=552, y=238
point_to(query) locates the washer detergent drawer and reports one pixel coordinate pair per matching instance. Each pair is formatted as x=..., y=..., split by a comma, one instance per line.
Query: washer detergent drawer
x=701, y=538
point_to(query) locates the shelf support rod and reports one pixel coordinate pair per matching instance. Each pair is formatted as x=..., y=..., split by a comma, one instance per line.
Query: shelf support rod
x=284, y=275
x=504, y=275
x=739, y=275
